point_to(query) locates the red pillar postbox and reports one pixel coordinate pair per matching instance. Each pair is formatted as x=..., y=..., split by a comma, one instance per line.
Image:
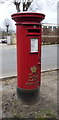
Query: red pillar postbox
x=28, y=33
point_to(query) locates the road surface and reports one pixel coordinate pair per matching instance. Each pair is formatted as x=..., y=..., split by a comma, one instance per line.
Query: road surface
x=8, y=66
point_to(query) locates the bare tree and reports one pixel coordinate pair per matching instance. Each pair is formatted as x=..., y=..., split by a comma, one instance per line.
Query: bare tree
x=17, y=4
x=7, y=24
x=26, y=5
x=22, y=3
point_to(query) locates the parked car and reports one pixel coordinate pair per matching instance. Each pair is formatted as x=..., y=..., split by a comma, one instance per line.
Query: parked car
x=4, y=40
x=0, y=40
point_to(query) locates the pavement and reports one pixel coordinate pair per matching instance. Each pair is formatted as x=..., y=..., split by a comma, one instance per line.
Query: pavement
x=45, y=107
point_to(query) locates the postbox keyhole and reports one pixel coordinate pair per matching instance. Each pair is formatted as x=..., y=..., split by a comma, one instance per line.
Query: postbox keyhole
x=34, y=26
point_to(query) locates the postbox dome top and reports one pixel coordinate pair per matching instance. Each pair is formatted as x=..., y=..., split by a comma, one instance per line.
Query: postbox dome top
x=28, y=16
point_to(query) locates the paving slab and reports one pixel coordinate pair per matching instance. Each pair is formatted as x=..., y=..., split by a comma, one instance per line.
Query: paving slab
x=45, y=107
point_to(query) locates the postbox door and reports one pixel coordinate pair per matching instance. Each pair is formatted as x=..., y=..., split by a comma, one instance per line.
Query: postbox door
x=35, y=51
x=29, y=56
x=34, y=63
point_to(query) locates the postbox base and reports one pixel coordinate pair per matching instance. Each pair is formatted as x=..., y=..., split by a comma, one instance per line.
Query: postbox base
x=29, y=96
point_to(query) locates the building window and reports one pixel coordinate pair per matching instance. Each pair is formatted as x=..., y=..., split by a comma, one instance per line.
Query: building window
x=44, y=26
x=49, y=26
x=54, y=26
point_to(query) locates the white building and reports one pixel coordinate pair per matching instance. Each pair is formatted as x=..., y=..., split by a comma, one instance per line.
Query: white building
x=50, y=25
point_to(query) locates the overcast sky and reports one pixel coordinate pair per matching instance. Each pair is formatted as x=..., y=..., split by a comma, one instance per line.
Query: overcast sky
x=47, y=7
